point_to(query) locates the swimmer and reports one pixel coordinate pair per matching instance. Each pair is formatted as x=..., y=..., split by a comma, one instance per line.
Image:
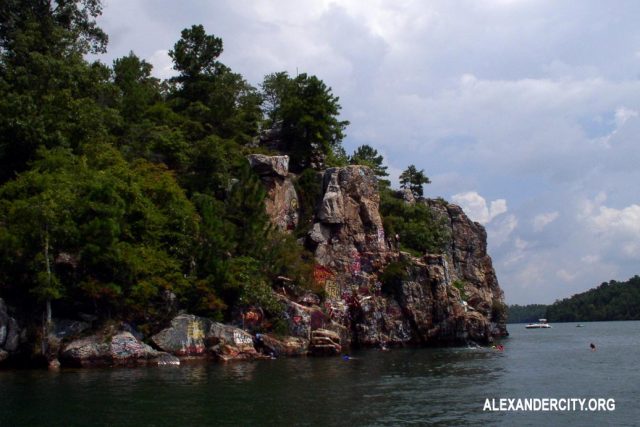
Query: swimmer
x=593, y=347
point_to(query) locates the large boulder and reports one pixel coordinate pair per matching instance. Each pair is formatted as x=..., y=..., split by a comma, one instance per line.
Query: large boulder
x=110, y=349
x=269, y=165
x=4, y=322
x=10, y=332
x=283, y=346
x=185, y=336
x=281, y=203
x=193, y=336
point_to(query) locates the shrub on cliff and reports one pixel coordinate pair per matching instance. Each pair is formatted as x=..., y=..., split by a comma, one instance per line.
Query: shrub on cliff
x=417, y=227
x=394, y=274
x=309, y=190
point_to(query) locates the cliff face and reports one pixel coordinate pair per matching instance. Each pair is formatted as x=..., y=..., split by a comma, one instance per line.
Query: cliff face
x=281, y=202
x=447, y=298
x=373, y=294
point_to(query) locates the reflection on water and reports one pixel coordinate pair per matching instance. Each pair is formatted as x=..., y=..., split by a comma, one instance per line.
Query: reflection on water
x=375, y=388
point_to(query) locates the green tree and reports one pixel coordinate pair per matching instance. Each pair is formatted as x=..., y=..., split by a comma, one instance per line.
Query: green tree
x=49, y=95
x=209, y=93
x=414, y=179
x=368, y=156
x=138, y=89
x=195, y=55
x=420, y=230
x=95, y=231
x=308, y=114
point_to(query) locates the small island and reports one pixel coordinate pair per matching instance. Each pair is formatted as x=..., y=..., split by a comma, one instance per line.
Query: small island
x=143, y=220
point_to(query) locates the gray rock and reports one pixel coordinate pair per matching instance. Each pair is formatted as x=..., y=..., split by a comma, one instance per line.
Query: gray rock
x=103, y=349
x=65, y=328
x=281, y=203
x=408, y=197
x=13, y=335
x=191, y=335
x=166, y=359
x=269, y=165
x=320, y=233
x=185, y=337
x=332, y=208
x=4, y=322
x=284, y=346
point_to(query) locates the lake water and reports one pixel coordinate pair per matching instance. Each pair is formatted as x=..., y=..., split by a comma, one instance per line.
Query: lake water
x=398, y=387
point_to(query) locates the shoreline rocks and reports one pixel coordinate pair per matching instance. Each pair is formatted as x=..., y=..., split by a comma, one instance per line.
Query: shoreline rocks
x=119, y=349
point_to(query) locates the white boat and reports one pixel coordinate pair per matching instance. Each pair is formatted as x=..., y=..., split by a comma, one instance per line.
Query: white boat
x=542, y=324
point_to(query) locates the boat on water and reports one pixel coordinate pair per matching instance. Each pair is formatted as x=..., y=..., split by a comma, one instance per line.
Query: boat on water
x=579, y=325
x=542, y=324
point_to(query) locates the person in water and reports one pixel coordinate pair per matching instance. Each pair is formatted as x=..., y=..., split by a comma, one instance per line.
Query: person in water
x=593, y=347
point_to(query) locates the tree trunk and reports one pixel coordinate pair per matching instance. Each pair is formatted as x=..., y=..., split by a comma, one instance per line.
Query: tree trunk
x=46, y=321
x=48, y=264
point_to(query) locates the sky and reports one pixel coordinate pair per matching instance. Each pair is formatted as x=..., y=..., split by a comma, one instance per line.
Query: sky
x=525, y=113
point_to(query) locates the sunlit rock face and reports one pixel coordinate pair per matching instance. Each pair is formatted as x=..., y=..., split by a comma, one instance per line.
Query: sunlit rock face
x=281, y=203
x=451, y=297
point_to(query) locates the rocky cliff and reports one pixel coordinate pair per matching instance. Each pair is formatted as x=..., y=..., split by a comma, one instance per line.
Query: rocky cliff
x=371, y=293
x=451, y=297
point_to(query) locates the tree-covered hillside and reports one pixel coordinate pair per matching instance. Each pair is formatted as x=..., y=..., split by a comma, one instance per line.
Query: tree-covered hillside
x=609, y=301
x=122, y=195
x=526, y=313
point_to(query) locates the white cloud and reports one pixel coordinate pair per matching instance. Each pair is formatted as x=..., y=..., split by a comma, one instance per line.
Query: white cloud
x=162, y=64
x=590, y=259
x=500, y=230
x=623, y=114
x=475, y=206
x=621, y=222
x=566, y=276
x=542, y=220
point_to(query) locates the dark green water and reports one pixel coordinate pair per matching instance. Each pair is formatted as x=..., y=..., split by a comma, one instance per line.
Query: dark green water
x=399, y=387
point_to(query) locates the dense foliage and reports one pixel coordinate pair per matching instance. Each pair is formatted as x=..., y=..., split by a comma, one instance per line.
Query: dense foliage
x=307, y=113
x=526, y=313
x=417, y=227
x=609, y=301
x=122, y=195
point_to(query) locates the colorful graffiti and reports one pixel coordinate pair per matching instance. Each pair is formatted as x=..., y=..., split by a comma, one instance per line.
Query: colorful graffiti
x=241, y=338
x=252, y=317
x=194, y=343
x=331, y=289
x=321, y=274
x=355, y=266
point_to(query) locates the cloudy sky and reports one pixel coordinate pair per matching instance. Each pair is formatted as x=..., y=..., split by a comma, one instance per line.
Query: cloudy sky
x=526, y=113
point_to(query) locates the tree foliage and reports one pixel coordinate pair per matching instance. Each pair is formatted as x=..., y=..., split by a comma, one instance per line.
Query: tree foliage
x=120, y=193
x=308, y=114
x=610, y=301
x=526, y=313
x=416, y=226
x=414, y=179
x=49, y=95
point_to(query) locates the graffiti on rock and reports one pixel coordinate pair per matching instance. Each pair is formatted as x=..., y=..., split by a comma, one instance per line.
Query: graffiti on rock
x=240, y=338
x=194, y=342
x=331, y=289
